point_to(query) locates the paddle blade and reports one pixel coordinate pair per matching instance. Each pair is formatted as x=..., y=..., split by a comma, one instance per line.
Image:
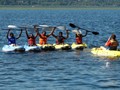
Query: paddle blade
x=47, y=28
x=95, y=33
x=44, y=26
x=72, y=25
x=61, y=27
x=12, y=26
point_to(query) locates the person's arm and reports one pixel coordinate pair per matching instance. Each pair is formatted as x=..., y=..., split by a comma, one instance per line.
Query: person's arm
x=108, y=43
x=37, y=33
x=54, y=36
x=26, y=33
x=85, y=34
x=117, y=43
x=51, y=33
x=19, y=34
x=67, y=34
x=8, y=34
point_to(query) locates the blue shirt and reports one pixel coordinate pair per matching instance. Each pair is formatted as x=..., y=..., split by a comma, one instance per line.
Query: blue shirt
x=11, y=40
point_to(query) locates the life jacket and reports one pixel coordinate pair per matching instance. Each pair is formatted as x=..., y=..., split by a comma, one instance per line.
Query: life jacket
x=111, y=43
x=43, y=40
x=114, y=43
x=11, y=40
x=79, y=40
x=60, y=40
x=31, y=41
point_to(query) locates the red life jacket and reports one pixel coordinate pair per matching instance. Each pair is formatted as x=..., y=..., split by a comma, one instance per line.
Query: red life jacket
x=79, y=40
x=111, y=43
x=60, y=40
x=31, y=41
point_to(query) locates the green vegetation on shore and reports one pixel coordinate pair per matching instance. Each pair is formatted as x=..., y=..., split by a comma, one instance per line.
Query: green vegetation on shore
x=62, y=3
x=25, y=7
x=59, y=4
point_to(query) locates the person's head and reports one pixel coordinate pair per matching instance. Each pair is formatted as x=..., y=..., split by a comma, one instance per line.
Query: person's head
x=60, y=33
x=44, y=32
x=78, y=35
x=11, y=34
x=113, y=36
x=31, y=35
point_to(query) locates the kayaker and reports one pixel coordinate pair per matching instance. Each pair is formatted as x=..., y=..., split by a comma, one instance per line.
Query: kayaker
x=60, y=38
x=31, y=39
x=112, y=42
x=43, y=37
x=11, y=38
x=79, y=37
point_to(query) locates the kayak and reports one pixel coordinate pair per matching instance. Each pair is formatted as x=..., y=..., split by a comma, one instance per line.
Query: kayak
x=32, y=48
x=46, y=47
x=105, y=52
x=11, y=48
x=75, y=46
x=62, y=46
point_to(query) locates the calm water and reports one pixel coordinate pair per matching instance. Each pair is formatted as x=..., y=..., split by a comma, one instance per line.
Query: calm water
x=60, y=70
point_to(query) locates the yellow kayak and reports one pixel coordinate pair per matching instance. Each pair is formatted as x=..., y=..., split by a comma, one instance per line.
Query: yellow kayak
x=62, y=46
x=105, y=52
x=48, y=47
x=78, y=46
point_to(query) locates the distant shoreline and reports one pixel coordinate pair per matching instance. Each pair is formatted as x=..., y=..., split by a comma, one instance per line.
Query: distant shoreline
x=22, y=7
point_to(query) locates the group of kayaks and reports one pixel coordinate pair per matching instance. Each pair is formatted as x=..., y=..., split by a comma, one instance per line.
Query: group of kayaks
x=45, y=47
x=101, y=51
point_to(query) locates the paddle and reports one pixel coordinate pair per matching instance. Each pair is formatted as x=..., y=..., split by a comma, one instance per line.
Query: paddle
x=12, y=27
x=74, y=26
x=49, y=28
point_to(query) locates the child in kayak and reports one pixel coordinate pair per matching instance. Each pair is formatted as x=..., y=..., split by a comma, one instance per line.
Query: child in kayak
x=60, y=38
x=31, y=39
x=112, y=42
x=43, y=37
x=11, y=38
x=79, y=36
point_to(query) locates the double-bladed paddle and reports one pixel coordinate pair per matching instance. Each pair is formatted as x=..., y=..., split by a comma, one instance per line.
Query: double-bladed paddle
x=74, y=26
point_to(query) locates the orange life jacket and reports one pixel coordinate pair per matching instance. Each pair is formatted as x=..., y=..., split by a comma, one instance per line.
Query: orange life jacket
x=43, y=40
x=111, y=43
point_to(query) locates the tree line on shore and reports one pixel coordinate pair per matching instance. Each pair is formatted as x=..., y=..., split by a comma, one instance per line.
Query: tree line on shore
x=62, y=2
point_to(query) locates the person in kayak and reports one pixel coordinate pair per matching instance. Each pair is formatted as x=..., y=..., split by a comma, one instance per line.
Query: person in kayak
x=43, y=37
x=60, y=38
x=31, y=38
x=112, y=42
x=11, y=38
x=79, y=37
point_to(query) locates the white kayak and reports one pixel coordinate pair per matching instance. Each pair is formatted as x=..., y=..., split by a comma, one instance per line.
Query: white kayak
x=32, y=48
x=11, y=48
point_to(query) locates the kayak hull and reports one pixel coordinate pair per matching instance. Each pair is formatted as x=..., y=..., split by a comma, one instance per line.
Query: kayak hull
x=62, y=46
x=32, y=48
x=105, y=52
x=13, y=48
x=75, y=46
x=46, y=47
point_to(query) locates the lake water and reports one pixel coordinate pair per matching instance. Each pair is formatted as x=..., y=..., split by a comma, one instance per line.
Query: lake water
x=60, y=70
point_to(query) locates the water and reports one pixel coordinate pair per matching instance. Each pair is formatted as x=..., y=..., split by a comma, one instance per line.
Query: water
x=60, y=70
